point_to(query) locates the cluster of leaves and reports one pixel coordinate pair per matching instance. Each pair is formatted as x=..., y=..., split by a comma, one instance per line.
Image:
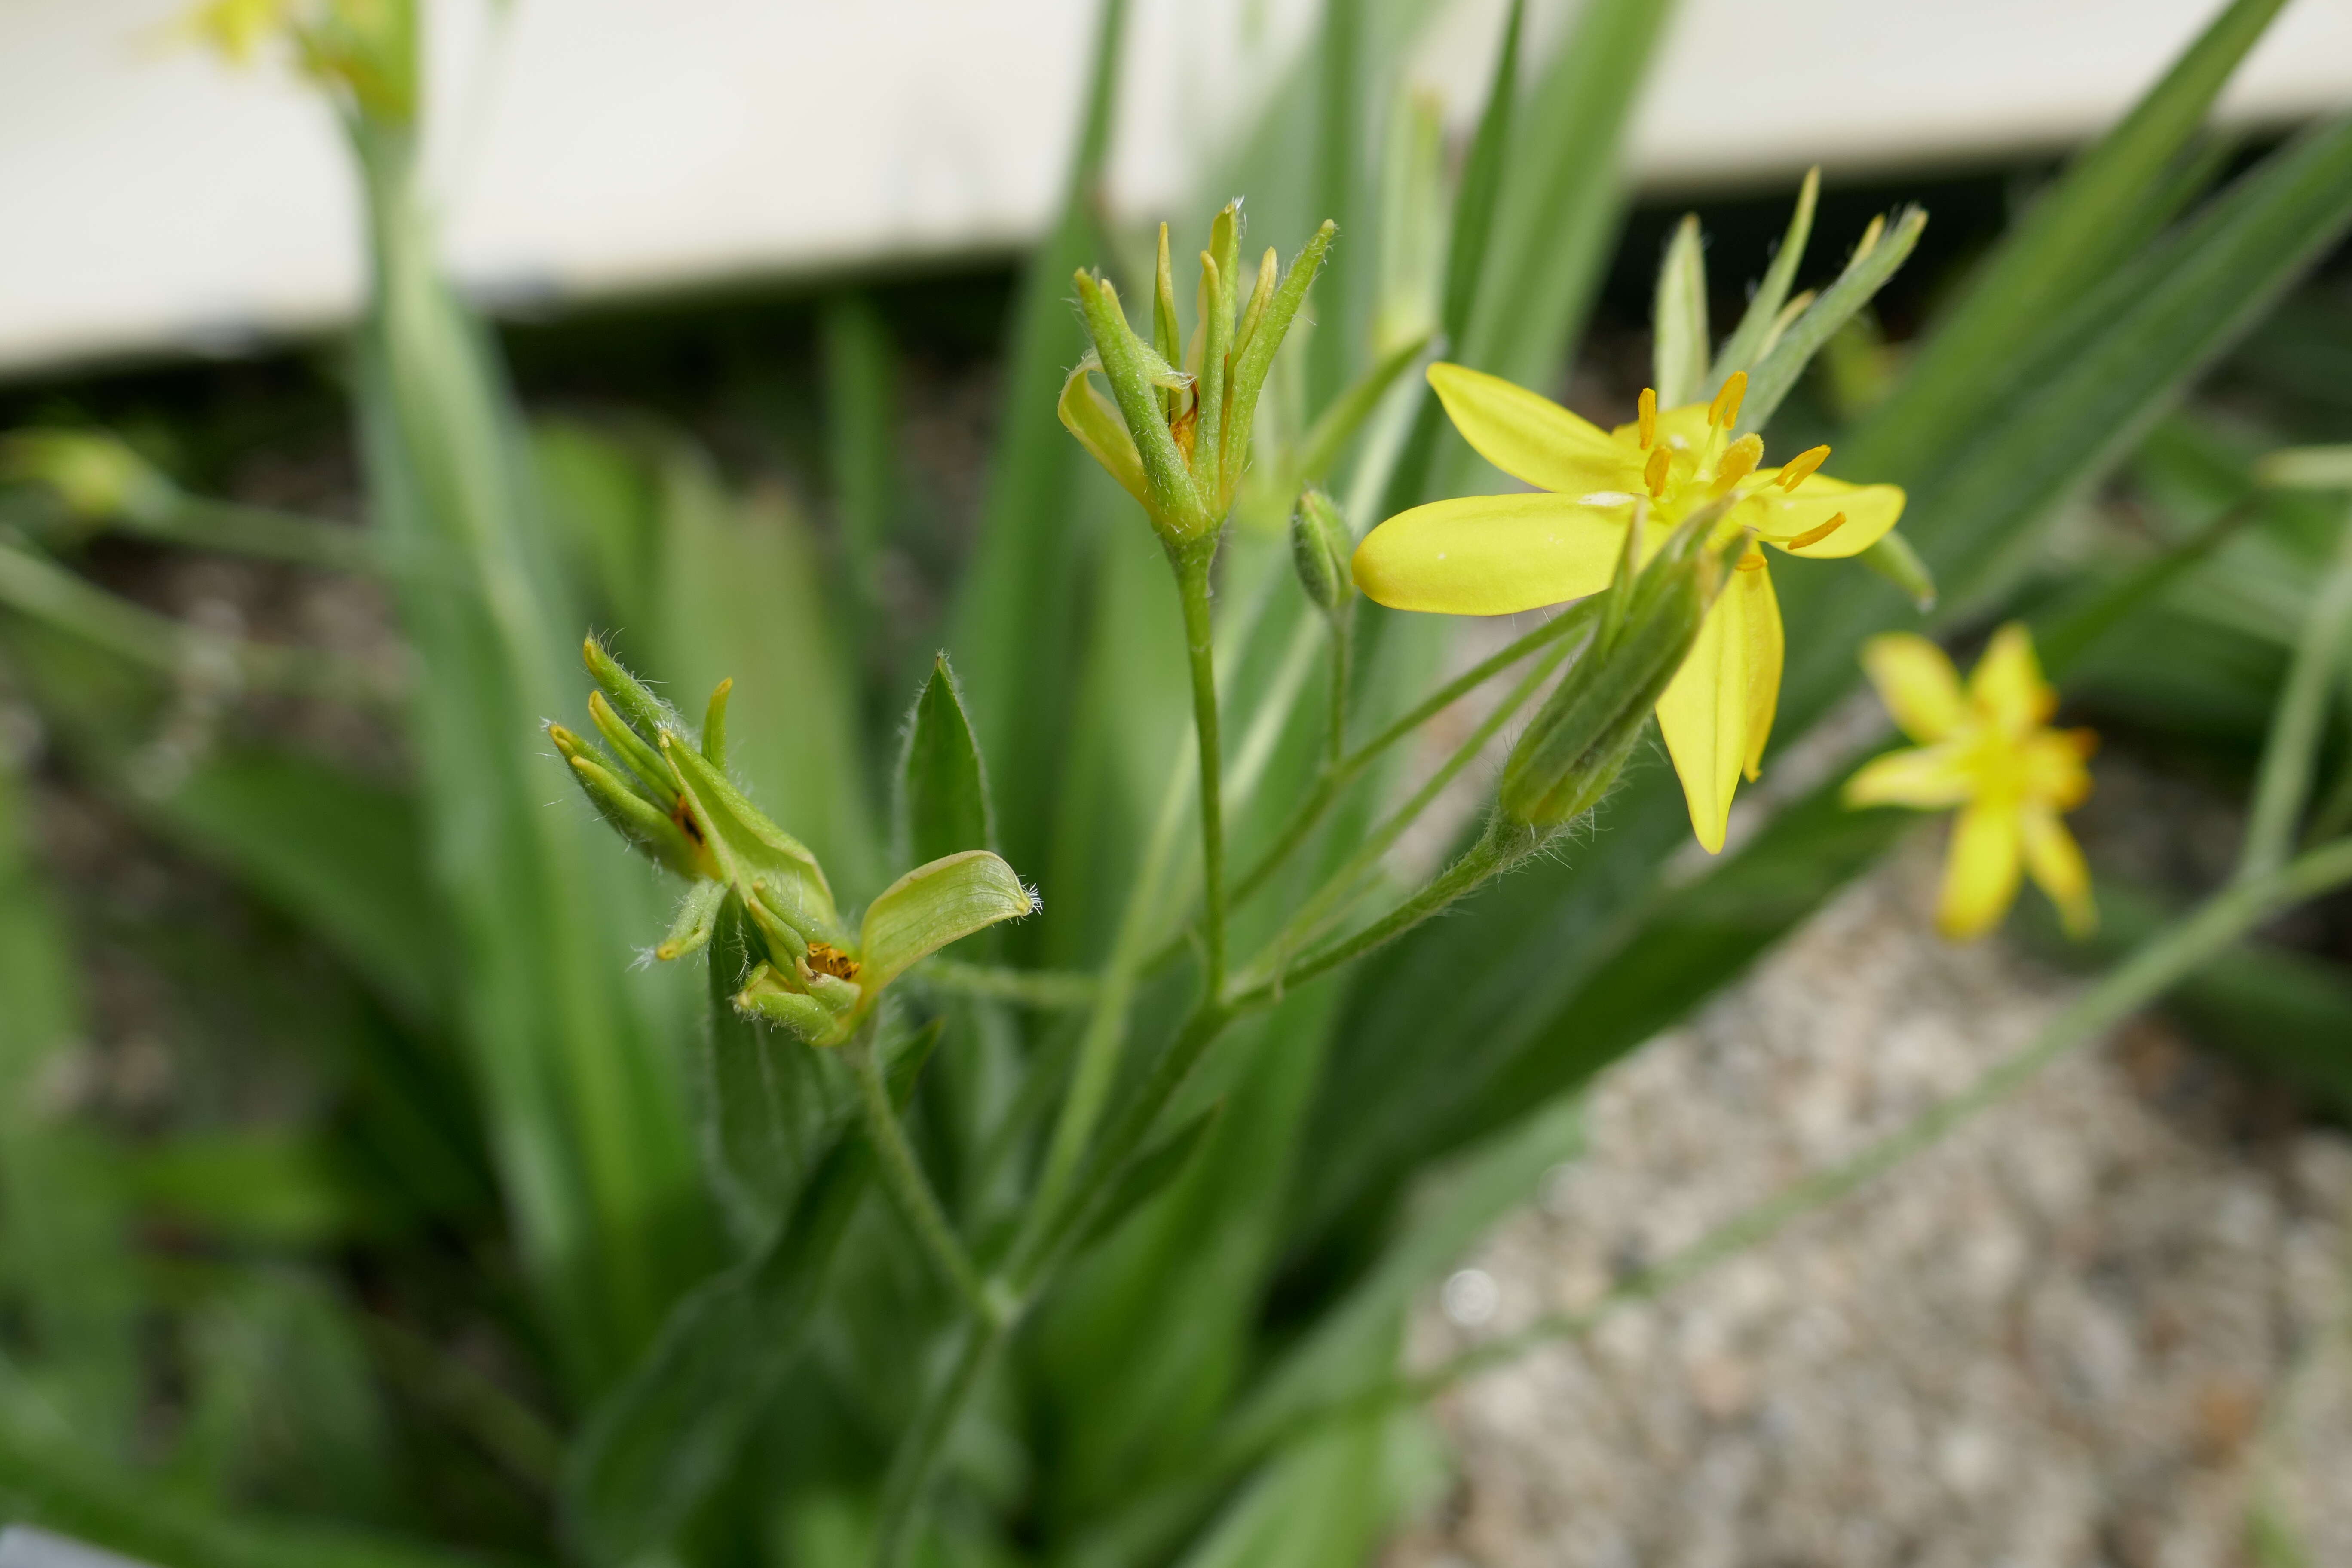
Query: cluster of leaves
x=726, y=1348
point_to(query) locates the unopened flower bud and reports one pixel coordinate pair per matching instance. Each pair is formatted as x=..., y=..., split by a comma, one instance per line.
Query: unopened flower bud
x=1588, y=728
x=96, y=475
x=1320, y=545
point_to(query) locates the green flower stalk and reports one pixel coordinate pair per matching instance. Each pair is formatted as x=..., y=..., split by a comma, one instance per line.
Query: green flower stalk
x=668, y=796
x=1175, y=431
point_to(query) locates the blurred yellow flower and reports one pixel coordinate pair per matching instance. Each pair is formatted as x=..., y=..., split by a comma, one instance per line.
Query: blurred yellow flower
x=1988, y=751
x=1494, y=555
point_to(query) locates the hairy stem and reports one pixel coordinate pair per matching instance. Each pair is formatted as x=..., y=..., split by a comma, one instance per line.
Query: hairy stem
x=1200, y=645
x=909, y=1187
x=1341, y=773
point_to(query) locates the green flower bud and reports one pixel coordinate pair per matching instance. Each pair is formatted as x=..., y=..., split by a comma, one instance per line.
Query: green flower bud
x=96, y=475
x=1321, y=546
x=1178, y=440
x=1587, y=729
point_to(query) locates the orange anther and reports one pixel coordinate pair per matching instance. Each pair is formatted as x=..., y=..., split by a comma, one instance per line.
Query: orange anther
x=1802, y=467
x=1815, y=535
x=1654, y=473
x=1738, y=462
x=1724, y=410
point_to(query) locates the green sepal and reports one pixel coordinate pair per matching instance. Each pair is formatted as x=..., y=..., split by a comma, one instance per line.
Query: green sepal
x=1762, y=327
x=1217, y=370
x=1167, y=333
x=943, y=805
x=1255, y=361
x=1875, y=260
x=647, y=714
x=1171, y=496
x=714, y=725
x=932, y=906
x=641, y=761
x=767, y=997
x=1894, y=559
x=1269, y=273
x=765, y=863
x=1678, y=320
x=698, y=919
x=646, y=828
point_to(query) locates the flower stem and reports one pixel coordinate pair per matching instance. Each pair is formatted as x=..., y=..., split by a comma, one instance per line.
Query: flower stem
x=909, y=1189
x=1501, y=848
x=1339, y=774
x=1192, y=564
x=2300, y=718
x=1343, y=647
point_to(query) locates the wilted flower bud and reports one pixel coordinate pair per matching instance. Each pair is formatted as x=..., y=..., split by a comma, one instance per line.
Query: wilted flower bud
x=671, y=799
x=1588, y=728
x=1320, y=545
x=1177, y=436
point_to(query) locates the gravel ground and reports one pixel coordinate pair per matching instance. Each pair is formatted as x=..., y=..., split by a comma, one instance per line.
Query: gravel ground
x=2109, y=1322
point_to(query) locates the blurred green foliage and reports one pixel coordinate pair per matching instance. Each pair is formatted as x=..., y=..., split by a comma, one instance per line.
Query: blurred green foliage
x=457, y=1234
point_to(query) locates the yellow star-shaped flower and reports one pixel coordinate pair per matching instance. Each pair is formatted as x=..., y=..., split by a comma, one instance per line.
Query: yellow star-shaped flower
x=1494, y=555
x=1990, y=752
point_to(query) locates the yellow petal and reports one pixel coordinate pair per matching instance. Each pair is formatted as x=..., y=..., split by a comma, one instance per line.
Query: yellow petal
x=1708, y=707
x=1767, y=647
x=1927, y=778
x=2050, y=767
x=2056, y=863
x=1779, y=516
x=1491, y=555
x=1090, y=415
x=1918, y=683
x=1534, y=438
x=2006, y=687
x=1981, y=871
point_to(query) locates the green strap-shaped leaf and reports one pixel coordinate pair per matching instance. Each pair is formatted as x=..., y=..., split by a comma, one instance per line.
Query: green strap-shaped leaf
x=667, y=1436
x=2064, y=246
x=932, y=906
x=942, y=783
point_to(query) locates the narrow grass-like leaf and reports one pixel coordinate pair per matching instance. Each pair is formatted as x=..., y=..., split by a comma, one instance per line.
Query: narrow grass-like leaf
x=668, y=1435
x=2063, y=248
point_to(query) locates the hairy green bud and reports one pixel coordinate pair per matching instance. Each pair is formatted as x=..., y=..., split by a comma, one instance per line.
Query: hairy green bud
x=1321, y=546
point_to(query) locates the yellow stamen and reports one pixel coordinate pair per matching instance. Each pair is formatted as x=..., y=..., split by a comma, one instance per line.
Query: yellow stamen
x=1725, y=409
x=1815, y=535
x=1739, y=461
x=1649, y=418
x=1800, y=467
x=1753, y=560
x=1654, y=473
